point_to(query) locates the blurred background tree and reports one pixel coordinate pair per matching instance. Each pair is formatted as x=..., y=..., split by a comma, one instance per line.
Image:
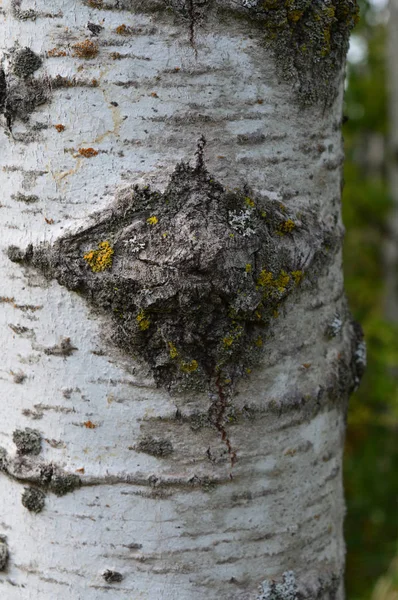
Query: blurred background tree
x=371, y=465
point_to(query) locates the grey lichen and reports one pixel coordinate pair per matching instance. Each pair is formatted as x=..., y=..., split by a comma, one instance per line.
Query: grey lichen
x=112, y=576
x=309, y=39
x=359, y=355
x=20, y=91
x=155, y=447
x=20, y=14
x=3, y=552
x=25, y=467
x=320, y=584
x=3, y=459
x=335, y=326
x=285, y=590
x=33, y=499
x=25, y=63
x=27, y=441
x=189, y=287
x=26, y=198
x=58, y=482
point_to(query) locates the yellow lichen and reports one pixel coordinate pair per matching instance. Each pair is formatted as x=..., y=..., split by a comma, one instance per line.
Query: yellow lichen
x=189, y=367
x=250, y=202
x=330, y=11
x=152, y=220
x=295, y=15
x=143, y=320
x=297, y=276
x=266, y=280
x=282, y=281
x=101, y=259
x=259, y=341
x=286, y=226
x=248, y=268
x=173, y=350
x=228, y=341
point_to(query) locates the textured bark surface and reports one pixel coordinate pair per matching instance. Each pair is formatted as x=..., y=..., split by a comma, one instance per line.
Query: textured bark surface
x=118, y=481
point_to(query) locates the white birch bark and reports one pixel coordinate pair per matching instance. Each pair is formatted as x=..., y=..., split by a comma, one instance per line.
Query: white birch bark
x=187, y=524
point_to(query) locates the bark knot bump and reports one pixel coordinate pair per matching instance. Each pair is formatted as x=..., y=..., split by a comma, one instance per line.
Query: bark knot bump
x=191, y=277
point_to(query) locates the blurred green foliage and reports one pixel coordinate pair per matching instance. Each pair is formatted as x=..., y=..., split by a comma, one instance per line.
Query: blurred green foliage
x=371, y=461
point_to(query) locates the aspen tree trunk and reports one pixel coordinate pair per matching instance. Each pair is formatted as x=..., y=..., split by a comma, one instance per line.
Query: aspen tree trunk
x=176, y=349
x=391, y=246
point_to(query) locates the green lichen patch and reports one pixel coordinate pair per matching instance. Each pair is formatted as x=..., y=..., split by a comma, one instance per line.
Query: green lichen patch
x=27, y=441
x=177, y=285
x=309, y=39
x=33, y=499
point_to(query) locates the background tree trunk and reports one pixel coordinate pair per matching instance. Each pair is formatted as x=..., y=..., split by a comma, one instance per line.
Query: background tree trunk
x=132, y=489
x=391, y=246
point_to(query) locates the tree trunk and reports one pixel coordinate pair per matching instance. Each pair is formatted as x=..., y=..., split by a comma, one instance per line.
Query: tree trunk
x=177, y=352
x=391, y=245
